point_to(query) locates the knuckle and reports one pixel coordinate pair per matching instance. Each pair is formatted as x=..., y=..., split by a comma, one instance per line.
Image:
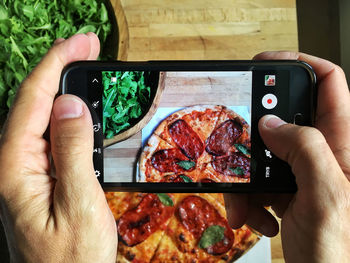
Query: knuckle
x=309, y=137
x=289, y=54
x=307, y=140
x=70, y=143
x=339, y=69
x=55, y=54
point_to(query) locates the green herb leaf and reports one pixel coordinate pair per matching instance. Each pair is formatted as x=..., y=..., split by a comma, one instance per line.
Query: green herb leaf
x=186, y=178
x=104, y=14
x=187, y=165
x=211, y=236
x=109, y=134
x=242, y=148
x=237, y=170
x=165, y=199
x=3, y=13
x=85, y=29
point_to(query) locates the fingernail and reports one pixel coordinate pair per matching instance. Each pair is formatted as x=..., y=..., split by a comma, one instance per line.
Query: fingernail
x=272, y=121
x=67, y=108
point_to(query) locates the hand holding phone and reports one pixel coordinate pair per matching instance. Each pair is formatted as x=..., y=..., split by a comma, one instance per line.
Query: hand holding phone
x=202, y=135
x=37, y=210
x=320, y=161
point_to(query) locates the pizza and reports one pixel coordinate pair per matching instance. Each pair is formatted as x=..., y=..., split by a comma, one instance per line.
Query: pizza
x=176, y=228
x=202, y=143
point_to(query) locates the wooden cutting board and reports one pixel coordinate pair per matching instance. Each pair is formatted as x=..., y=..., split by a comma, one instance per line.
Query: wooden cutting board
x=222, y=29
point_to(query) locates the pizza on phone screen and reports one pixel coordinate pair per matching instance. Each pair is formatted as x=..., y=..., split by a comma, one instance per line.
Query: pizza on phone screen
x=176, y=228
x=203, y=143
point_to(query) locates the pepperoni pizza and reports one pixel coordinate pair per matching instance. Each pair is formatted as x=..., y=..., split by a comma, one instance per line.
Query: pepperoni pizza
x=176, y=228
x=198, y=144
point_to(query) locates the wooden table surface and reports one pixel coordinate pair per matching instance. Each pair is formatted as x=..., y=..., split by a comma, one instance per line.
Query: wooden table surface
x=221, y=29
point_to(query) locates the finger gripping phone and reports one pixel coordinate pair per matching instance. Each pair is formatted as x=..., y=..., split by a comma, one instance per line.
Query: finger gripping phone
x=190, y=126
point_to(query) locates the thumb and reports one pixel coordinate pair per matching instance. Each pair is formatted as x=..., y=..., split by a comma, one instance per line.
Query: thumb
x=71, y=137
x=304, y=148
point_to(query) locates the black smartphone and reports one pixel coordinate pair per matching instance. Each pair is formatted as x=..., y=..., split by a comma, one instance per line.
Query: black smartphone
x=190, y=126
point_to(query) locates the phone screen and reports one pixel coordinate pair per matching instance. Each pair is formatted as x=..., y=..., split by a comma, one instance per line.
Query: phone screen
x=183, y=126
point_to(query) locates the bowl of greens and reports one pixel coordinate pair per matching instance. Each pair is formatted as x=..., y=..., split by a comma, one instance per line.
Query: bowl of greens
x=130, y=99
x=29, y=28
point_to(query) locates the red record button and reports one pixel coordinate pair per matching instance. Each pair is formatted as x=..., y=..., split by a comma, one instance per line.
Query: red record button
x=269, y=101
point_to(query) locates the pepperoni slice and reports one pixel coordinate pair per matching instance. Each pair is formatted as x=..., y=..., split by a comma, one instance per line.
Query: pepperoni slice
x=178, y=179
x=197, y=214
x=223, y=137
x=235, y=164
x=173, y=178
x=207, y=180
x=166, y=161
x=186, y=139
x=138, y=224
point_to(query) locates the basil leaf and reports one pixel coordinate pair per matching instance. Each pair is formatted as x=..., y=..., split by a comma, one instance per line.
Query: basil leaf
x=186, y=178
x=187, y=165
x=243, y=149
x=211, y=236
x=237, y=170
x=165, y=199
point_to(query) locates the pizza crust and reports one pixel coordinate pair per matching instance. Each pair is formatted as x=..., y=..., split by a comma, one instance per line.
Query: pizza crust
x=210, y=173
x=120, y=202
x=146, y=169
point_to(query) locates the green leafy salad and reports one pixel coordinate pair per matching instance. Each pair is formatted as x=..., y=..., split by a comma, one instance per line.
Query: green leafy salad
x=125, y=97
x=28, y=28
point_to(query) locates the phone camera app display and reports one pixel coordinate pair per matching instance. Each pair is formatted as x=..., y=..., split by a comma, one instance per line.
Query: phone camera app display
x=176, y=126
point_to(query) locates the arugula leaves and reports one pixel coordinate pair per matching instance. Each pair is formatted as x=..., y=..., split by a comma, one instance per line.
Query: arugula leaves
x=28, y=29
x=125, y=98
x=211, y=236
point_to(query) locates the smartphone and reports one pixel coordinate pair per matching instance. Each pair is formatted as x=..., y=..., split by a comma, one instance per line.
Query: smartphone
x=190, y=126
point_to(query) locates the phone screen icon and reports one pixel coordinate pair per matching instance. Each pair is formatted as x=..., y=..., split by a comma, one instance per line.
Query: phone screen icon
x=270, y=80
x=269, y=101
